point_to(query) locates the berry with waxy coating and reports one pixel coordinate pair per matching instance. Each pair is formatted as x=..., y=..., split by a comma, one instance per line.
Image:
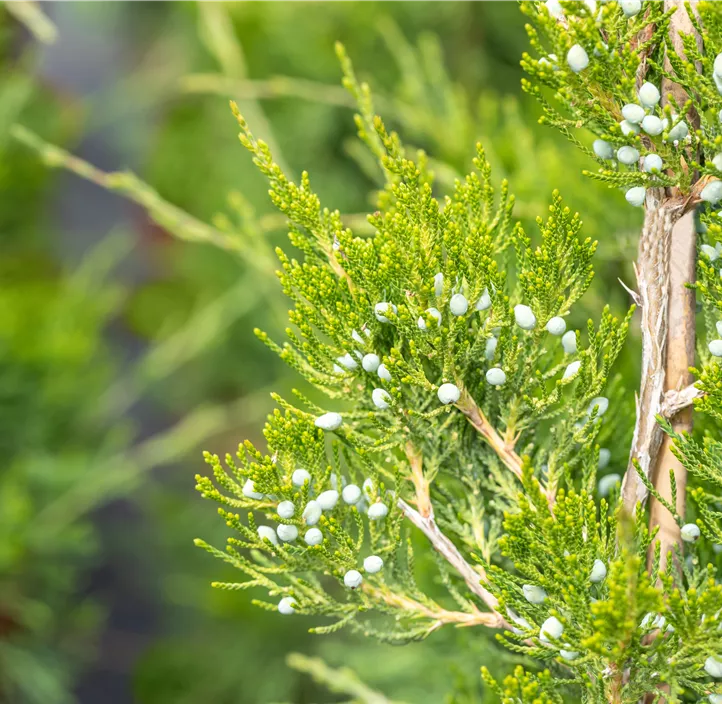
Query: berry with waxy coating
x=329, y=421
x=496, y=376
x=347, y=361
x=606, y=483
x=286, y=509
x=448, y=393
x=439, y=285
x=266, y=532
x=633, y=113
x=604, y=456
x=690, y=533
x=458, y=304
x=351, y=494
x=636, y=196
x=381, y=310
x=249, y=490
x=712, y=192
x=715, y=348
x=432, y=312
x=373, y=564
x=377, y=511
x=569, y=342
x=312, y=513
x=287, y=533
x=556, y=325
x=370, y=362
x=678, y=132
x=534, y=594
x=577, y=58
x=630, y=8
x=717, y=66
x=383, y=372
x=601, y=403
x=328, y=499
x=652, y=125
x=286, y=605
x=604, y=150
x=300, y=477
x=627, y=155
x=572, y=369
x=381, y=398
x=524, y=317
x=598, y=573
x=628, y=128
x=490, y=348
x=313, y=536
x=352, y=579
x=484, y=301
x=551, y=628
x=713, y=667
x=652, y=162
x=649, y=95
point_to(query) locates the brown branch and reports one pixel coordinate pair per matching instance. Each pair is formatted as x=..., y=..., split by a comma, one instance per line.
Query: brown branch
x=451, y=554
x=675, y=401
x=504, y=449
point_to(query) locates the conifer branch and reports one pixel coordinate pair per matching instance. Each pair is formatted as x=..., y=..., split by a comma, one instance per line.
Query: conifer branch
x=427, y=525
x=478, y=420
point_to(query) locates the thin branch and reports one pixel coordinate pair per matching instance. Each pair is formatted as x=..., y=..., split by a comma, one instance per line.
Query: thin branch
x=675, y=401
x=503, y=449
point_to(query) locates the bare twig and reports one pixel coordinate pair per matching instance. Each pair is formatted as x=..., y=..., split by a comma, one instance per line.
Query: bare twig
x=675, y=401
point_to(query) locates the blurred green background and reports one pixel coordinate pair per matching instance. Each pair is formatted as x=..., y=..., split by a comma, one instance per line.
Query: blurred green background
x=124, y=352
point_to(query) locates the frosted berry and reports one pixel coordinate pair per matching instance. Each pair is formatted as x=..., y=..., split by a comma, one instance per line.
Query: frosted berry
x=352, y=579
x=381, y=398
x=381, y=310
x=649, y=95
x=312, y=513
x=267, y=533
x=598, y=573
x=300, y=477
x=448, y=393
x=628, y=128
x=652, y=125
x=287, y=533
x=249, y=490
x=551, y=628
x=652, y=162
x=715, y=348
x=347, y=361
x=604, y=456
x=569, y=342
x=373, y=564
x=383, y=372
x=368, y=487
x=630, y=7
x=604, y=150
x=601, y=403
x=490, y=350
x=357, y=338
x=329, y=421
x=572, y=370
x=328, y=499
x=606, y=483
x=286, y=605
x=378, y=511
x=678, y=132
x=351, y=494
x=712, y=192
x=690, y=533
x=286, y=509
x=633, y=113
x=534, y=594
x=439, y=285
x=524, y=317
x=635, y=196
x=715, y=698
x=568, y=654
x=554, y=8
x=370, y=362
x=556, y=325
x=713, y=667
x=313, y=536
x=717, y=162
x=718, y=325
x=711, y=252
x=458, y=304
x=496, y=376
x=430, y=312
x=627, y=155
x=485, y=301
x=718, y=64
x=577, y=58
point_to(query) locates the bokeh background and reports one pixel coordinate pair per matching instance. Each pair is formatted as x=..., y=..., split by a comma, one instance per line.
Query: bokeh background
x=125, y=351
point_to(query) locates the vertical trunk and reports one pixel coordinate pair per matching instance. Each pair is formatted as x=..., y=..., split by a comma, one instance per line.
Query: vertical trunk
x=679, y=358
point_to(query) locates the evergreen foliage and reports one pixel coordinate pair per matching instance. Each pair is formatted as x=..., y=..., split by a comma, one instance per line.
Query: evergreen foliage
x=454, y=407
